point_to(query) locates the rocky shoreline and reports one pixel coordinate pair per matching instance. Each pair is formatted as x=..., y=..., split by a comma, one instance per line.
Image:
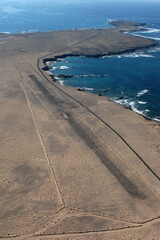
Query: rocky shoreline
x=121, y=26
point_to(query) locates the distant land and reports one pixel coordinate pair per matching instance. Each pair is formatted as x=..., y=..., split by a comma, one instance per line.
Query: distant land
x=88, y=42
x=74, y=165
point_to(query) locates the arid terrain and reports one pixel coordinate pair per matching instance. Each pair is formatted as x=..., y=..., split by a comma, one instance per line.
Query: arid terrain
x=73, y=165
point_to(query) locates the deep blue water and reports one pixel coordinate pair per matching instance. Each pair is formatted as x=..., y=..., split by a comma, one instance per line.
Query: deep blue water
x=135, y=78
x=38, y=15
x=132, y=79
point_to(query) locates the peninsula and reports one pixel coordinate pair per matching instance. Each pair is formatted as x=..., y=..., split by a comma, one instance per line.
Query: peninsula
x=73, y=165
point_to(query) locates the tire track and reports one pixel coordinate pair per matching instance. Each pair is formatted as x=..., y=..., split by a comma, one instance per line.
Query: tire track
x=41, y=139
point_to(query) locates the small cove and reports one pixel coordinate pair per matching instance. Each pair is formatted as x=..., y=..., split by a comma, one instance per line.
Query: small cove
x=131, y=79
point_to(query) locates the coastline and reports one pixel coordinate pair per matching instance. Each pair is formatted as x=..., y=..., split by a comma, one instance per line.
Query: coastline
x=57, y=80
x=73, y=164
x=122, y=26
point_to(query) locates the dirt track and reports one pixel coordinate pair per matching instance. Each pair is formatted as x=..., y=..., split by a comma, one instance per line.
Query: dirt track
x=73, y=165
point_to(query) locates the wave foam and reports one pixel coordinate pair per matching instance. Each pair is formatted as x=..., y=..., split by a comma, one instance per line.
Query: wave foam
x=53, y=68
x=157, y=119
x=138, y=35
x=150, y=30
x=106, y=56
x=57, y=78
x=61, y=82
x=63, y=67
x=132, y=55
x=137, y=55
x=88, y=89
x=131, y=105
x=141, y=102
x=109, y=20
x=29, y=31
x=134, y=108
x=142, y=92
x=6, y=32
x=154, y=38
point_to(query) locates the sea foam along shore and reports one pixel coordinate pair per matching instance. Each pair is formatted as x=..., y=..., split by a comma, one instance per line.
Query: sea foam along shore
x=132, y=105
x=134, y=53
x=128, y=103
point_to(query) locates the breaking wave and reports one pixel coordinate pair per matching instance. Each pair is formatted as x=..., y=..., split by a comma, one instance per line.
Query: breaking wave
x=61, y=82
x=29, y=31
x=137, y=55
x=132, y=105
x=138, y=35
x=57, y=78
x=142, y=92
x=141, y=102
x=150, y=30
x=157, y=119
x=132, y=55
x=6, y=32
x=63, y=67
x=88, y=89
x=109, y=20
x=54, y=68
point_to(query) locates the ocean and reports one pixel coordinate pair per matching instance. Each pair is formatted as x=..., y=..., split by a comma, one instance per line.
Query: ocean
x=131, y=79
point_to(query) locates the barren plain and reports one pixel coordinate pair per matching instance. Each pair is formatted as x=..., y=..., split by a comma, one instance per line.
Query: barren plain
x=73, y=165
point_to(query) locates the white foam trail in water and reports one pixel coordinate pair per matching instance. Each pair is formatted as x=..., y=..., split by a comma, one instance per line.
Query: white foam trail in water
x=141, y=102
x=138, y=35
x=154, y=38
x=150, y=30
x=63, y=67
x=61, y=82
x=89, y=89
x=53, y=68
x=134, y=108
x=6, y=32
x=106, y=56
x=29, y=31
x=142, y=92
x=157, y=119
x=131, y=104
x=56, y=78
x=109, y=20
x=131, y=55
x=137, y=55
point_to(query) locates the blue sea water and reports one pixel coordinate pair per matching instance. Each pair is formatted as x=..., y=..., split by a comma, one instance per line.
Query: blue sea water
x=133, y=79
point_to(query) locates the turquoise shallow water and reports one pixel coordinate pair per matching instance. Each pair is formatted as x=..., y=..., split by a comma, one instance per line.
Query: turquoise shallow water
x=133, y=79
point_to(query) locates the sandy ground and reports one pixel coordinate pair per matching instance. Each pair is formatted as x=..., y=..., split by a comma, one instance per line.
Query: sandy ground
x=73, y=165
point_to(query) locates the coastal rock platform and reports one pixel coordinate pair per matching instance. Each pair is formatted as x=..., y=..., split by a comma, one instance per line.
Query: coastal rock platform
x=73, y=165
